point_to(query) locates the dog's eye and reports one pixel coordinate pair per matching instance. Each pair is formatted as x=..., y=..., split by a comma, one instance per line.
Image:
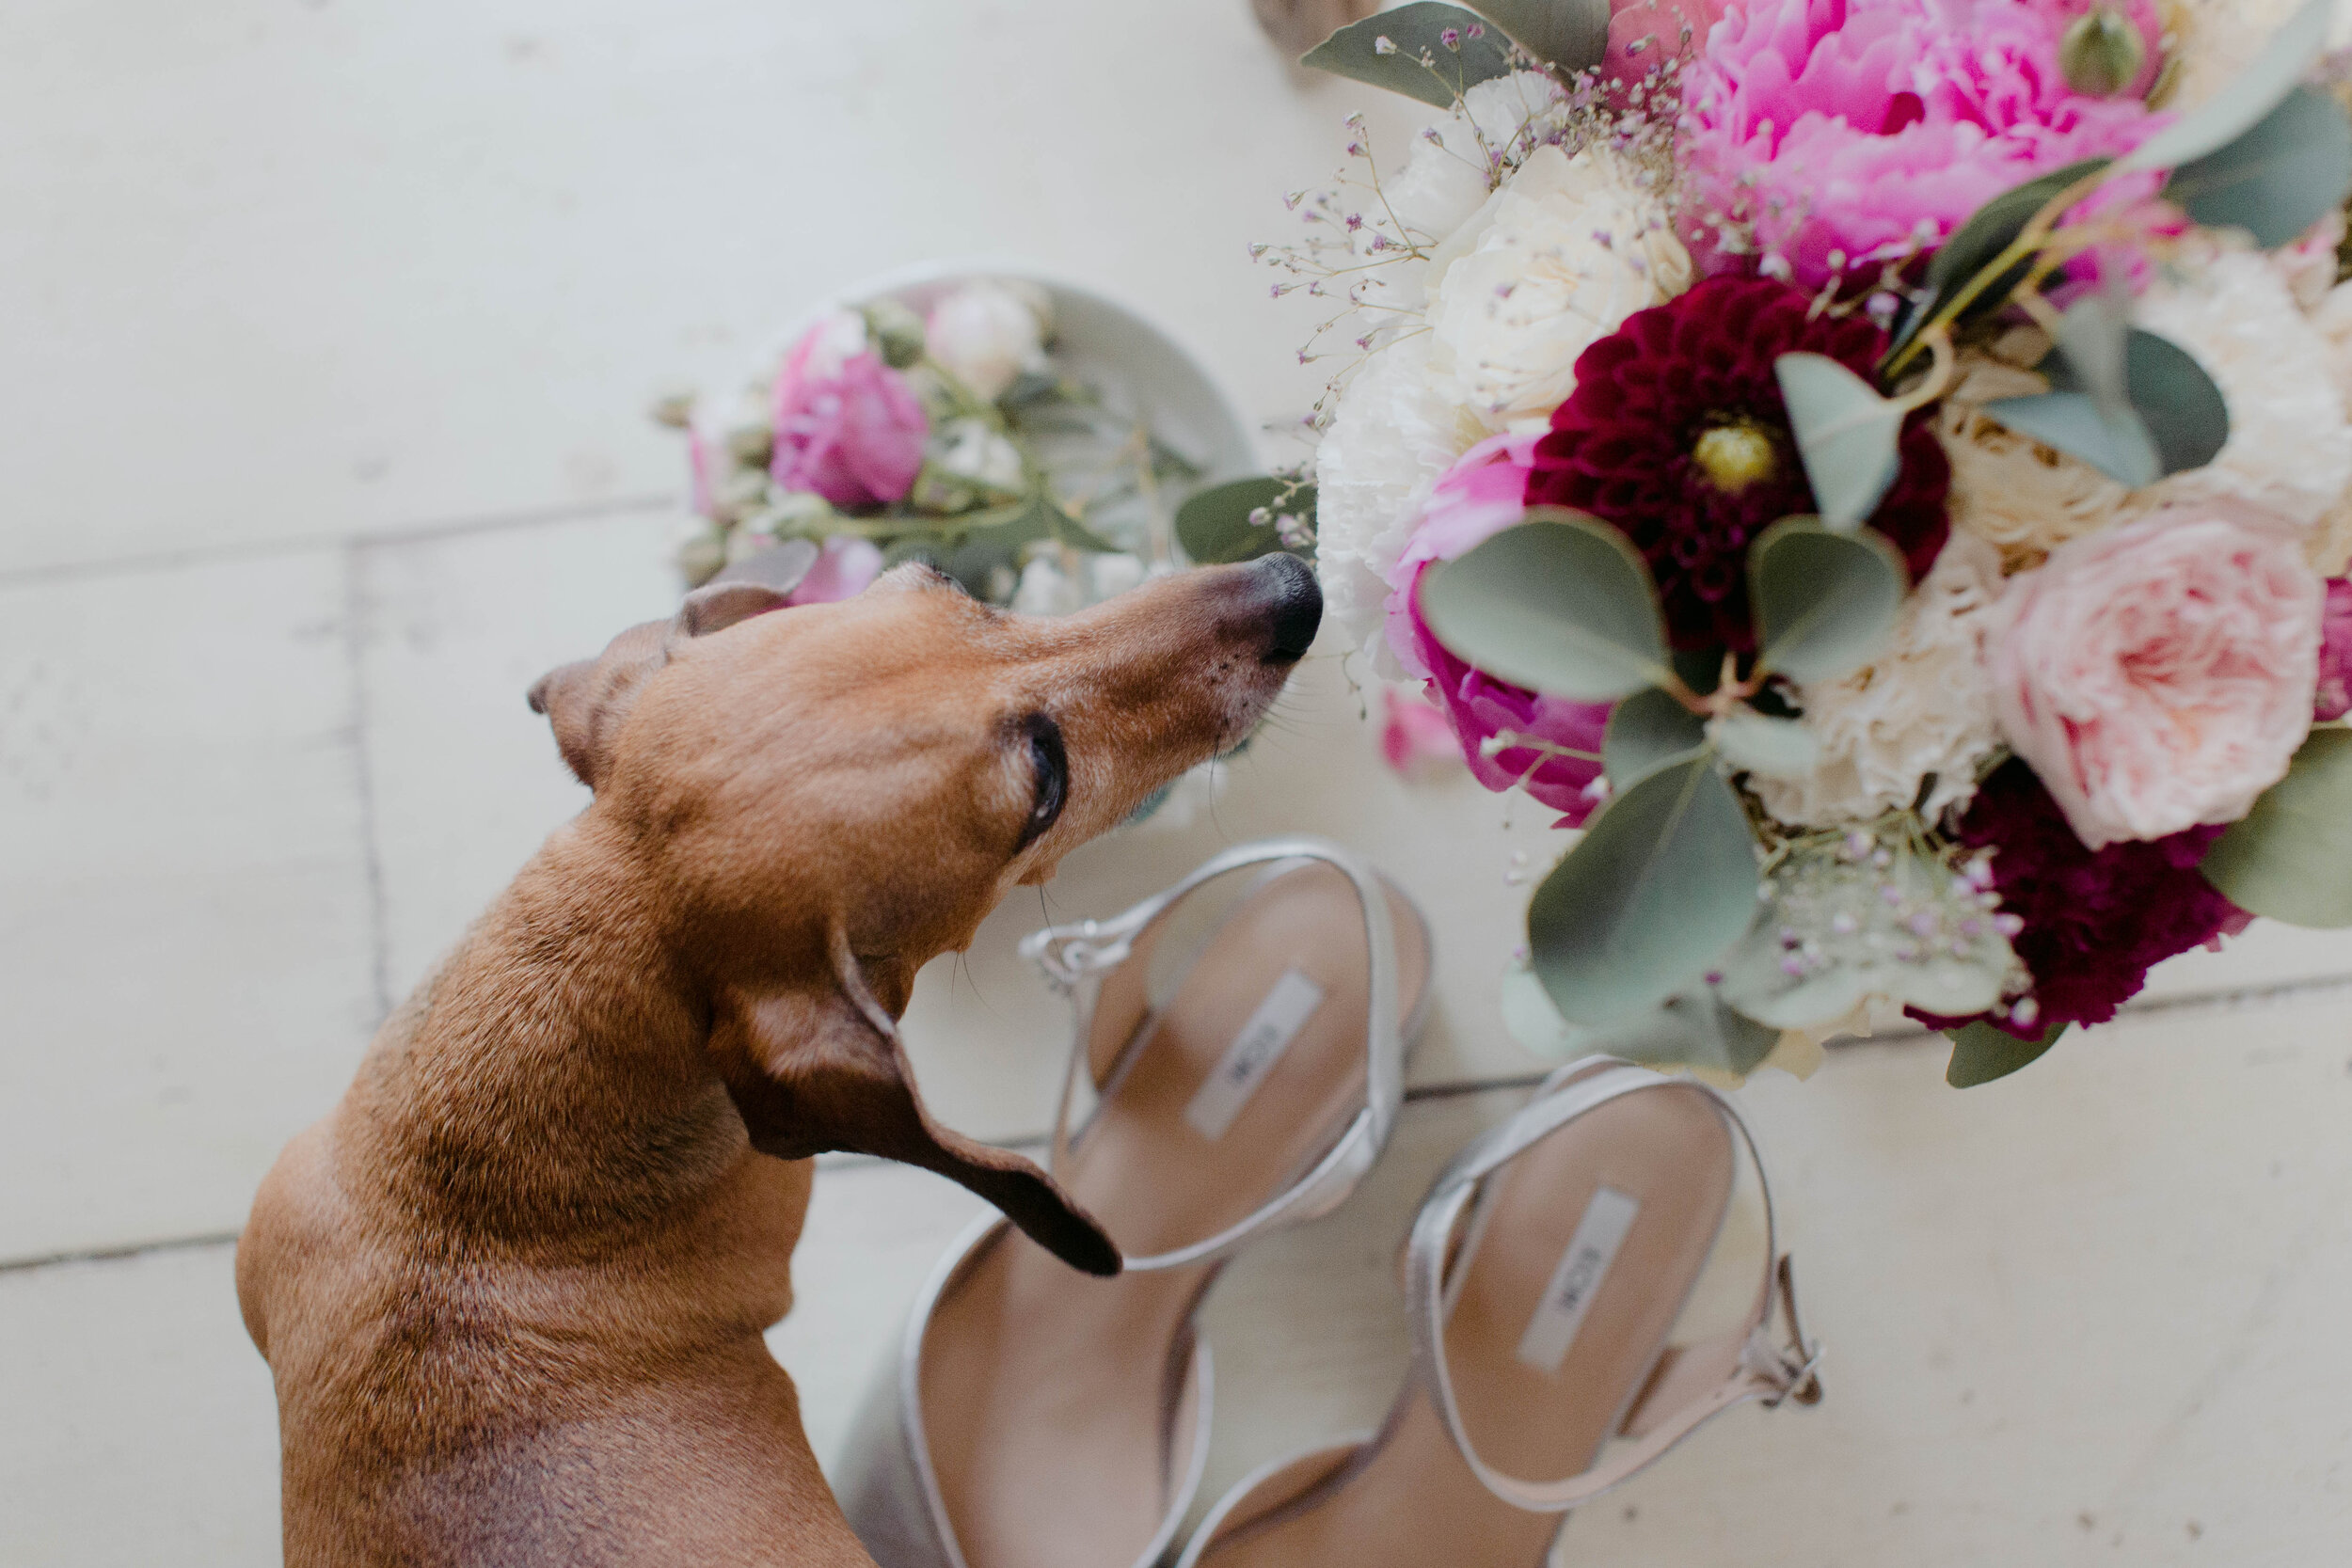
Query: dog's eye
x=1050, y=765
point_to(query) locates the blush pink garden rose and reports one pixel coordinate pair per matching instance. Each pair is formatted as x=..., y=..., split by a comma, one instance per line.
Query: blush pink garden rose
x=844, y=566
x=1845, y=133
x=2158, y=676
x=1478, y=498
x=848, y=427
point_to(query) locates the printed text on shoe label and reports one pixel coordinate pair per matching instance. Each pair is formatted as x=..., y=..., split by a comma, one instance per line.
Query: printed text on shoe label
x=1254, y=1054
x=1576, y=1280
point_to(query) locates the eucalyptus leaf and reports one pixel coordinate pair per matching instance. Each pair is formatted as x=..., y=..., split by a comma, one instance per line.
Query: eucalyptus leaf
x=1646, y=729
x=2238, y=107
x=1978, y=243
x=1824, y=602
x=2278, y=179
x=1773, y=748
x=1561, y=603
x=2121, y=448
x=1692, y=1029
x=1572, y=35
x=2291, y=857
x=780, y=566
x=1213, y=526
x=1849, y=437
x=1389, y=49
x=1662, y=884
x=1981, y=1052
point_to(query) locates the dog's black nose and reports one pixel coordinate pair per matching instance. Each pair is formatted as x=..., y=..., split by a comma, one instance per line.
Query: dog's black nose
x=1296, y=602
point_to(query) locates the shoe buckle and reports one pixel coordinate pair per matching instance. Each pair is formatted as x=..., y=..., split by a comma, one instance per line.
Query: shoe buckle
x=1795, y=1371
x=1069, y=954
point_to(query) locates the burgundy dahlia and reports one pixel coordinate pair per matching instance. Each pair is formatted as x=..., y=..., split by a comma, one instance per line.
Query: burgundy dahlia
x=2096, y=920
x=1676, y=434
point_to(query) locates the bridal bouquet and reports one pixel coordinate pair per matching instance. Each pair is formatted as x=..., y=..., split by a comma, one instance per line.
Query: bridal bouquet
x=948, y=434
x=1880, y=469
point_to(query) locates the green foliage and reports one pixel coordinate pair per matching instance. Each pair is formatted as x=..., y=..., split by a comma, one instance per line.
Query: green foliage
x=1219, y=524
x=1646, y=729
x=2292, y=169
x=1847, y=436
x=1662, y=882
x=1978, y=243
x=1561, y=603
x=1571, y=35
x=1824, y=601
x=2291, y=857
x=1980, y=1052
x=1751, y=742
x=2132, y=405
x=1416, y=61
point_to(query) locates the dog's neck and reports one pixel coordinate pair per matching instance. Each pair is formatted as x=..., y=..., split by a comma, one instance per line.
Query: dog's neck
x=549, y=1084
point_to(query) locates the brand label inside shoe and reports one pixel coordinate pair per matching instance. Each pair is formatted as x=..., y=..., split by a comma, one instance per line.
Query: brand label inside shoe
x=1252, y=1056
x=1576, y=1280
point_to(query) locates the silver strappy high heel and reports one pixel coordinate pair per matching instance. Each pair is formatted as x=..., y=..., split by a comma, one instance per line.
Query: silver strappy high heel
x=1543, y=1274
x=1037, y=1418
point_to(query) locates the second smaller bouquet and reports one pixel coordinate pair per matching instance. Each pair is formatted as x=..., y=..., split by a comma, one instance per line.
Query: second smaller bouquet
x=935, y=423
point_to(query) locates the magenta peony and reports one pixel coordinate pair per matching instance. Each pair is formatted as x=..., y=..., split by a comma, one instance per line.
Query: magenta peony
x=1845, y=133
x=851, y=432
x=1676, y=434
x=2158, y=676
x=2094, y=921
x=1481, y=707
x=2335, y=652
x=1476, y=499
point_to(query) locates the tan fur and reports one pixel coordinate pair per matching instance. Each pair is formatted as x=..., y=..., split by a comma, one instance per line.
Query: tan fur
x=513, y=1288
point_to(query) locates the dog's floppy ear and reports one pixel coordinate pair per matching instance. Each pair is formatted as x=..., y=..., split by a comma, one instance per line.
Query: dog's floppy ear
x=586, y=701
x=818, y=1071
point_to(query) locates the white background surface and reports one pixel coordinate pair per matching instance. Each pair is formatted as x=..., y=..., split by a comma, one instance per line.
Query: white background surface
x=329, y=324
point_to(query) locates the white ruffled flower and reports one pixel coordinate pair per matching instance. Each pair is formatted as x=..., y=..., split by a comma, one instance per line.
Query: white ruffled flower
x=1922, y=708
x=968, y=448
x=988, y=332
x=2290, y=451
x=1454, y=165
x=2009, y=489
x=1391, y=438
x=1554, y=262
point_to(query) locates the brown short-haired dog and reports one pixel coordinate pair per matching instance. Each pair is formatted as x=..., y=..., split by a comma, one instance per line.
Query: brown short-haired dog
x=512, y=1290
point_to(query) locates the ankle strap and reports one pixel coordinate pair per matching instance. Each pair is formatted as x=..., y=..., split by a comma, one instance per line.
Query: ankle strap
x=1077, y=958
x=1693, y=1385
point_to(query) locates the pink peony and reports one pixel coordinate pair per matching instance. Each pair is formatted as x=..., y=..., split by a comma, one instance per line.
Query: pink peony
x=1849, y=131
x=2158, y=676
x=849, y=431
x=1478, y=498
x=2335, y=652
x=844, y=568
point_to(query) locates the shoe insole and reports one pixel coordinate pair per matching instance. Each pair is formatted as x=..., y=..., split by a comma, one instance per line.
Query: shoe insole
x=1588, y=1246
x=1047, y=1394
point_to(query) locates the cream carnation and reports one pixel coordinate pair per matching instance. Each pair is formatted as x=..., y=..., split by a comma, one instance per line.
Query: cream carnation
x=2158, y=676
x=1556, y=262
x=1391, y=439
x=1921, y=710
x=2009, y=489
x=2290, y=451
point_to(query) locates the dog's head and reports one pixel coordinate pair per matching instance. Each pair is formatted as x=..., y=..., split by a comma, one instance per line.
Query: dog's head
x=830, y=796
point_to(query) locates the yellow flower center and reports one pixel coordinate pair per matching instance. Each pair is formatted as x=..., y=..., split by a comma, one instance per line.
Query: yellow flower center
x=1734, y=456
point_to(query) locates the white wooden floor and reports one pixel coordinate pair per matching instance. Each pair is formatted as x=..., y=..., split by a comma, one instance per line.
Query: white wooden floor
x=328, y=325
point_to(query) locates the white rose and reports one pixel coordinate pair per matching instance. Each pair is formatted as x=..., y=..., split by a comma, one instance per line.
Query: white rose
x=988, y=333
x=830, y=342
x=1454, y=165
x=970, y=450
x=1391, y=438
x=1555, y=261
